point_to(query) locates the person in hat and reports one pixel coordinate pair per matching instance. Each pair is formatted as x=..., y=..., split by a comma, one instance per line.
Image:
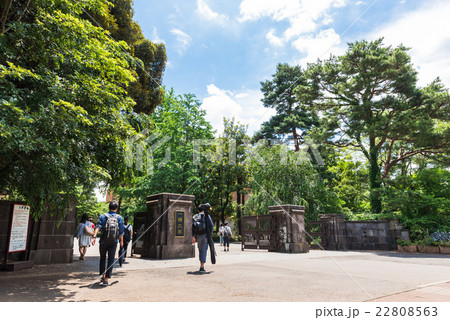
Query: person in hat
x=202, y=232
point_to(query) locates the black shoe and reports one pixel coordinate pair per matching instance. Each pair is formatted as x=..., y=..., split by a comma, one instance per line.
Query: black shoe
x=202, y=269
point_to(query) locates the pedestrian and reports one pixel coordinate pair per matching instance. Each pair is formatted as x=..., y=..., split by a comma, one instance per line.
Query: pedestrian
x=202, y=233
x=127, y=235
x=93, y=228
x=83, y=236
x=221, y=234
x=226, y=237
x=111, y=225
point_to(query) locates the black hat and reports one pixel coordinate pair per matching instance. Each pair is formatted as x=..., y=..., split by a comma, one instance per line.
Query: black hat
x=204, y=207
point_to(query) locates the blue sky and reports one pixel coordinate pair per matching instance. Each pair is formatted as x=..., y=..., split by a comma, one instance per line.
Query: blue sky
x=220, y=50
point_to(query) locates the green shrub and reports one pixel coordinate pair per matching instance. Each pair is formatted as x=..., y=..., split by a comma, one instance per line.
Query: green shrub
x=401, y=242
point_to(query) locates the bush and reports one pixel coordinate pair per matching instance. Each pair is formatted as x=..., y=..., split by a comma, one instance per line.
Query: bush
x=427, y=242
x=401, y=242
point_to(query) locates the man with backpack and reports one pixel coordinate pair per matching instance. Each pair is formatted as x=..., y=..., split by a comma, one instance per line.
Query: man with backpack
x=112, y=228
x=127, y=232
x=226, y=237
x=202, y=227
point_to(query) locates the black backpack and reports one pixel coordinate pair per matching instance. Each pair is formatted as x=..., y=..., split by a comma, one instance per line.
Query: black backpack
x=198, y=224
x=127, y=234
x=111, y=231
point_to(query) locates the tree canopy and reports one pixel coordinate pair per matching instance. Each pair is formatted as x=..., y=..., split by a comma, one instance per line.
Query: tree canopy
x=64, y=100
x=368, y=98
x=292, y=117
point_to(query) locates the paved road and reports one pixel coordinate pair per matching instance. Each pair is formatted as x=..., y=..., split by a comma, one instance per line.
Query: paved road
x=318, y=276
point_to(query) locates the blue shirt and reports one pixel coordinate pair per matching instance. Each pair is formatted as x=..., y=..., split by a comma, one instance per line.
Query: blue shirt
x=101, y=223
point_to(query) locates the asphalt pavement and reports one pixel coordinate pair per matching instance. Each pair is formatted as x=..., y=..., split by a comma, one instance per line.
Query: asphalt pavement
x=241, y=276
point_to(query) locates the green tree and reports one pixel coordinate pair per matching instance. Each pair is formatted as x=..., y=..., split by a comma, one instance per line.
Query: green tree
x=349, y=180
x=291, y=115
x=226, y=173
x=368, y=99
x=421, y=200
x=151, y=57
x=63, y=104
x=175, y=126
x=280, y=176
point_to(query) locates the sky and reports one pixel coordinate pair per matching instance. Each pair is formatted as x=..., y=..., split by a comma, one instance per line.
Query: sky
x=220, y=50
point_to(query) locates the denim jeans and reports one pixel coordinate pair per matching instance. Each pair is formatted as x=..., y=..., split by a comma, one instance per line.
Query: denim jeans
x=109, y=248
x=123, y=252
x=202, y=243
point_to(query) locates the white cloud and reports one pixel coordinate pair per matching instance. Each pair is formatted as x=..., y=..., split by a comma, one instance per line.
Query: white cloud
x=273, y=39
x=425, y=31
x=155, y=38
x=304, y=17
x=205, y=11
x=245, y=106
x=318, y=46
x=183, y=39
x=278, y=10
x=298, y=12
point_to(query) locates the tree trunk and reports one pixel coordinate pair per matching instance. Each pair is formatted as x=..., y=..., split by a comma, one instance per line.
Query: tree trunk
x=238, y=195
x=294, y=132
x=4, y=17
x=374, y=178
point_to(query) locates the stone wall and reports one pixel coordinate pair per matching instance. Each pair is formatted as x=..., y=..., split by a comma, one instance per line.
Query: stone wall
x=50, y=239
x=370, y=235
x=6, y=208
x=361, y=235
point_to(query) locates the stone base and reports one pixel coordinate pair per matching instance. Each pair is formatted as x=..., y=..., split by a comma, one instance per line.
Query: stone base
x=407, y=248
x=444, y=250
x=16, y=265
x=300, y=247
x=427, y=249
x=51, y=256
x=170, y=252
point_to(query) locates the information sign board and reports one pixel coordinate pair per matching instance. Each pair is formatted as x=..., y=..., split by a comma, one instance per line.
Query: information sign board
x=19, y=228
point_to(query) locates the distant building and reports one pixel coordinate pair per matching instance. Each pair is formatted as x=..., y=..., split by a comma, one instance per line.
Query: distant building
x=110, y=196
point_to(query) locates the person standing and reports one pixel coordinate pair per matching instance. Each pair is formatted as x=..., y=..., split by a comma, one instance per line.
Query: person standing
x=202, y=230
x=226, y=237
x=84, y=240
x=127, y=235
x=111, y=225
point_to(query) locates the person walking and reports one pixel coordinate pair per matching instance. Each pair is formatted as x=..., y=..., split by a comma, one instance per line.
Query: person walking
x=221, y=234
x=84, y=239
x=127, y=235
x=226, y=237
x=201, y=232
x=111, y=225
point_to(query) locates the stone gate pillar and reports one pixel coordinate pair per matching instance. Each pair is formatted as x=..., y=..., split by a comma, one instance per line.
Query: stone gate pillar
x=170, y=227
x=336, y=231
x=289, y=227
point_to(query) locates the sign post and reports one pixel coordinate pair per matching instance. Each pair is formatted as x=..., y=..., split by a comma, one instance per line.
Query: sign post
x=19, y=228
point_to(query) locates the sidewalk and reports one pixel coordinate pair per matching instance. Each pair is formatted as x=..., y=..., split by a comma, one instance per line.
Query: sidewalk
x=251, y=275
